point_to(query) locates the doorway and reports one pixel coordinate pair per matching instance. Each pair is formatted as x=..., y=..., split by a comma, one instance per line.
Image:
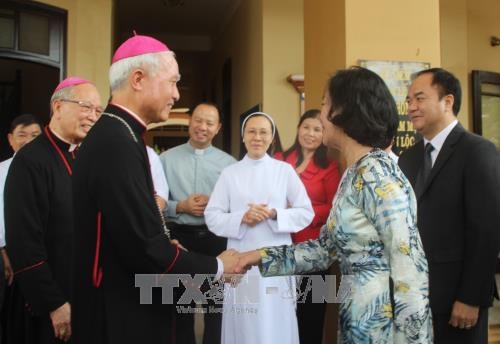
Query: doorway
x=25, y=87
x=32, y=50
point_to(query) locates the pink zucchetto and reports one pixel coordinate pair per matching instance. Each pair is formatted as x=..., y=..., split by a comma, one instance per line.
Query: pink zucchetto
x=71, y=81
x=138, y=45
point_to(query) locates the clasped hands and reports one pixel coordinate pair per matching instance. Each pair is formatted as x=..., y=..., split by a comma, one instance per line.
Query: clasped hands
x=236, y=264
x=194, y=205
x=257, y=213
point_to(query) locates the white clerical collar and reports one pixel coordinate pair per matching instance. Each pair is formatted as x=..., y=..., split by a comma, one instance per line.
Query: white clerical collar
x=131, y=113
x=438, y=140
x=198, y=151
x=72, y=146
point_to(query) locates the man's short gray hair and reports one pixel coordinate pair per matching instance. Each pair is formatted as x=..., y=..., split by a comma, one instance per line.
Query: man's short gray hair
x=64, y=93
x=120, y=70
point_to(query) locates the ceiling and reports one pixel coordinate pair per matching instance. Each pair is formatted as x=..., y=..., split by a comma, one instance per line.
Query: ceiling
x=193, y=23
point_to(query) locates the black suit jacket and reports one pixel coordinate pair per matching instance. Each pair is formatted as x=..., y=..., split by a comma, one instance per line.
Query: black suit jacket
x=458, y=218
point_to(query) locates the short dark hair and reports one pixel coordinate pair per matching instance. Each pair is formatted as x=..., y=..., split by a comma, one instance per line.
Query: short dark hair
x=446, y=83
x=367, y=110
x=320, y=156
x=211, y=105
x=23, y=120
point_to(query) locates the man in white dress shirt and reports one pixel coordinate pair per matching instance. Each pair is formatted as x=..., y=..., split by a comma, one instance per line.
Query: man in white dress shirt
x=23, y=129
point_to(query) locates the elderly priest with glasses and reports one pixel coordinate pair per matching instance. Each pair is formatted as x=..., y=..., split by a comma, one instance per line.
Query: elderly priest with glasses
x=39, y=217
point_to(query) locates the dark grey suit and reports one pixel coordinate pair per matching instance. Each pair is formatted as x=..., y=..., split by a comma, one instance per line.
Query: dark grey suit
x=459, y=223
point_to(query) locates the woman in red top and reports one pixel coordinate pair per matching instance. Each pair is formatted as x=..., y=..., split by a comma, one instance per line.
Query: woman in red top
x=320, y=176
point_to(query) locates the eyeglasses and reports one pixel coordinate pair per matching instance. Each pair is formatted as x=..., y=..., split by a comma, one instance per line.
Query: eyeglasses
x=86, y=107
x=254, y=132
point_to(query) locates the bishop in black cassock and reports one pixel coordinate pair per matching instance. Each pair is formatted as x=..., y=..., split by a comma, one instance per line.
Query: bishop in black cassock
x=39, y=219
x=119, y=231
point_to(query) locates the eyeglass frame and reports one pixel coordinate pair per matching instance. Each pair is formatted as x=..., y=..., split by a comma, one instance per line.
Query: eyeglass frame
x=87, y=107
x=258, y=132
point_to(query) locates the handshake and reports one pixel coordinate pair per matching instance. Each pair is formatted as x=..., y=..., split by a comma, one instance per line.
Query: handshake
x=236, y=263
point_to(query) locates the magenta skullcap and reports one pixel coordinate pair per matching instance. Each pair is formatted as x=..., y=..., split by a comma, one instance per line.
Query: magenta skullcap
x=138, y=45
x=71, y=81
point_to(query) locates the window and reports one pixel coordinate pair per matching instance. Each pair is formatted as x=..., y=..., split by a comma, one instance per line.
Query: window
x=33, y=32
x=7, y=28
x=486, y=105
x=34, y=35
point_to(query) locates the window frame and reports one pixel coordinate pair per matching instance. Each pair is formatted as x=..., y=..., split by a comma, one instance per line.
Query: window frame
x=479, y=78
x=57, y=34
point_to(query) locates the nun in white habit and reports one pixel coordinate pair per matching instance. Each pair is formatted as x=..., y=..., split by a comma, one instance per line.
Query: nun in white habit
x=258, y=202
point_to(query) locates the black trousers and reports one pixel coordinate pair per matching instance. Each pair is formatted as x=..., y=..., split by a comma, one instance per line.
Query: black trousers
x=198, y=239
x=310, y=316
x=444, y=333
x=3, y=284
